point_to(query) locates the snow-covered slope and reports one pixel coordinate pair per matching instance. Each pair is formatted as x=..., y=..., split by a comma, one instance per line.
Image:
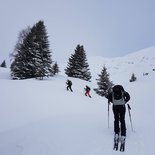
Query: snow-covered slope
x=42, y=118
x=121, y=68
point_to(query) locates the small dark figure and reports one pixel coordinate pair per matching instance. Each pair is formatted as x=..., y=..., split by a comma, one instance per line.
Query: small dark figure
x=69, y=85
x=119, y=97
x=87, y=89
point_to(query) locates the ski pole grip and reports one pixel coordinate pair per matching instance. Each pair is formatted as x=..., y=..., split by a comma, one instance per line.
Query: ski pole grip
x=129, y=106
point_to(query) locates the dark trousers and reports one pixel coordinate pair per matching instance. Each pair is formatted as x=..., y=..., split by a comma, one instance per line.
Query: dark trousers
x=119, y=119
x=69, y=87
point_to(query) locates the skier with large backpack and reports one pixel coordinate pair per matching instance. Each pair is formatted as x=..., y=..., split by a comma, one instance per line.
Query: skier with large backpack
x=69, y=85
x=87, y=91
x=119, y=97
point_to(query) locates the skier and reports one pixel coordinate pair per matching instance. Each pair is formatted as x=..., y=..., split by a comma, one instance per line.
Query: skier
x=87, y=93
x=119, y=97
x=69, y=85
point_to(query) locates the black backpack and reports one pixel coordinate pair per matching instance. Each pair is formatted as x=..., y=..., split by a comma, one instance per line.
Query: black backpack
x=118, y=92
x=69, y=82
x=88, y=88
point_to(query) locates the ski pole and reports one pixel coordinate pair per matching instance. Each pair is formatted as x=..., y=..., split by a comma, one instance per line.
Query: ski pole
x=129, y=108
x=108, y=113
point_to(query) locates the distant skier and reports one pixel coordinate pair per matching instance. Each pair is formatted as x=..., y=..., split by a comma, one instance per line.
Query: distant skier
x=69, y=85
x=119, y=97
x=87, y=89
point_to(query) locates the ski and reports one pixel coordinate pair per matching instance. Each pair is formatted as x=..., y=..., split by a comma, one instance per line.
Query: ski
x=115, y=146
x=116, y=141
x=122, y=146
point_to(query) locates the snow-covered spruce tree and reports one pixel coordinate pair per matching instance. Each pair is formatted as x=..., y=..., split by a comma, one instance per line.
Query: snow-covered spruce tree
x=55, y=68
x=20, y=66
x=3, y=64
x=104, y=83
x=77, y=66
x=133, y=78
x=42, y=52
x=33, y=57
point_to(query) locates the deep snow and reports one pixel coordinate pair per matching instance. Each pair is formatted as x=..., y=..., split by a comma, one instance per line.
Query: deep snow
x=42, y=118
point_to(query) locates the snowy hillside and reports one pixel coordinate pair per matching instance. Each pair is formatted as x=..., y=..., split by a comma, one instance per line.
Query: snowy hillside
x=42, y=118
x=121, y=68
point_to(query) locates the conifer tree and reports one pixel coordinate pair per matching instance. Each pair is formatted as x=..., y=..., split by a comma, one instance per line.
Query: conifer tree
x=104, y=83
x=55, y=68
x=133, y=78
x=77, y=65
x=20, y=66
x=42, y=52
x=3, y=64
x=33, y=56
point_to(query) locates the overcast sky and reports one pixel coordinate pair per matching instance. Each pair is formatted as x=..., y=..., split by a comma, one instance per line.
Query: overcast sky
x=106, y=28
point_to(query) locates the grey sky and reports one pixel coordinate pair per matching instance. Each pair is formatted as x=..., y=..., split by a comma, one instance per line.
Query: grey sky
x=105, y=27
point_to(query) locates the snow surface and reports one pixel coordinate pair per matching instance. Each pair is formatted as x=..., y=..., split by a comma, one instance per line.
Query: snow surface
x=42, y=118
